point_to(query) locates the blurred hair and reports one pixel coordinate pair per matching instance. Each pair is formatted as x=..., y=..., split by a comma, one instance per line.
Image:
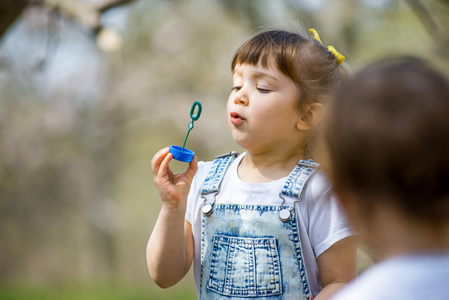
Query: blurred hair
x=388, y=138
x=304, y=60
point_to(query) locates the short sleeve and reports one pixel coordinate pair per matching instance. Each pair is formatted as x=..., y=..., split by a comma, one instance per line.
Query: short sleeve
x=327, y=221
x=193, y=200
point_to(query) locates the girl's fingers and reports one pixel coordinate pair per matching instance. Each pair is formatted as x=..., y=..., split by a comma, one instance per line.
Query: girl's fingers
x=163, y=173
x=193, y=167
x=170, y=173
x=157, y=160
x=164, y=169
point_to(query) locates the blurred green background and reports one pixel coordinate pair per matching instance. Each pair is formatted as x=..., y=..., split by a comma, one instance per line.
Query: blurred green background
x=90, y=90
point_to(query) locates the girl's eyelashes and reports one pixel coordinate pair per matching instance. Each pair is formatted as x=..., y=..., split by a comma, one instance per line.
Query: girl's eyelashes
x=259, y=89
x=263, y=91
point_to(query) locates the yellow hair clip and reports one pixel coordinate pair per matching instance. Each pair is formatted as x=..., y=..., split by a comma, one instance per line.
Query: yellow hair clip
x=315, y=35
x=340, y=58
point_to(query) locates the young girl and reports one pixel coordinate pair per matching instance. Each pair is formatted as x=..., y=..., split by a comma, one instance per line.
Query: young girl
x=388, y=136
x=264, y=223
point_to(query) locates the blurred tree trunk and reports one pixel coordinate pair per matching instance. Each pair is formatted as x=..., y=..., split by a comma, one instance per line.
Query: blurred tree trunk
x=81, y=11
x=9, y=13
x=430, y=22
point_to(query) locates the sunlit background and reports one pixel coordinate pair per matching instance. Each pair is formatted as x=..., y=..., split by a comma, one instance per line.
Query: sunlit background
x=90, y=90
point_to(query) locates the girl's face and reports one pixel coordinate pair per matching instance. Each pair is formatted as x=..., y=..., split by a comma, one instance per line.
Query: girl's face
x=263, y=108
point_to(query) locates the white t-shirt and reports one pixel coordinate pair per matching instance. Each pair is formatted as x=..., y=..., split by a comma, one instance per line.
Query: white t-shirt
x=404, y=277
x=320, y=217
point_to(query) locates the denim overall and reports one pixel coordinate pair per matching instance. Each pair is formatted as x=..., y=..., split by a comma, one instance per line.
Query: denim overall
x=252, y=251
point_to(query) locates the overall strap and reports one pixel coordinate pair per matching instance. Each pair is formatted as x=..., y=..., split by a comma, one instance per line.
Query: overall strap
x=216, y=173
x=298, y=178
x=295, y=185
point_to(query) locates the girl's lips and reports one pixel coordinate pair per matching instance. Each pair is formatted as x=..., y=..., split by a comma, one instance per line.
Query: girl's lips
x=236, y=119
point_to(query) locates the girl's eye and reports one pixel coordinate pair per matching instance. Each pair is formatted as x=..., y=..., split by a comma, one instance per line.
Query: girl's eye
x=236, y=88
x=263, y=91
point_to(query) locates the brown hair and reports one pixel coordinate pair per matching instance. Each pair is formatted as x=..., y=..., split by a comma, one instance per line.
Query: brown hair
x=304, y=60
x=388, y=136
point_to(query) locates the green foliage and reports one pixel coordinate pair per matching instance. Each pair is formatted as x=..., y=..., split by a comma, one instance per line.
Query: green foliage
x=92, y=292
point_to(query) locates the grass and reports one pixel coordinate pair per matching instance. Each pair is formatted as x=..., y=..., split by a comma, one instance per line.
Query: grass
x=94, y=292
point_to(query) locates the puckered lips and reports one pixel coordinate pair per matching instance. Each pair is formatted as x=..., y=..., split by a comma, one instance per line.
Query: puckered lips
x=236, y=119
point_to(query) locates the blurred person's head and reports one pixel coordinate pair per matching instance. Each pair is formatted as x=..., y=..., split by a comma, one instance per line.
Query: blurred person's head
x=388, y=138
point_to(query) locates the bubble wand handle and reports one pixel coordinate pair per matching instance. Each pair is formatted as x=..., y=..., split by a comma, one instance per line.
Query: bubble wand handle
x=193, y=116
x=187, y=135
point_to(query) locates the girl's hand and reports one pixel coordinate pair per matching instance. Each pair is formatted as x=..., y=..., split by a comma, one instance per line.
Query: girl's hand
x=170, y=249
x=173, y=188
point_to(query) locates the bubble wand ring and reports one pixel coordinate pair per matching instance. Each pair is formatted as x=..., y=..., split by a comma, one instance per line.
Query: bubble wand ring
x=182, y=153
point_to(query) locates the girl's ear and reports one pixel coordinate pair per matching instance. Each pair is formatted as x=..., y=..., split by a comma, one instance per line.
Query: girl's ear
x=313, y=113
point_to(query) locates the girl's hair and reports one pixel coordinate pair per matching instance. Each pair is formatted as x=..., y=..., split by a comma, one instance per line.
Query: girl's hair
x=388, y=137
x=304, y=60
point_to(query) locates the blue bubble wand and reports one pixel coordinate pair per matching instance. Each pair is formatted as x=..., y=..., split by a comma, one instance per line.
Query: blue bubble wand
x=184, y=154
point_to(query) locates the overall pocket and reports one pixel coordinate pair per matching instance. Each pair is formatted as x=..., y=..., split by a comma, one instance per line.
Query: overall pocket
x=245, y=266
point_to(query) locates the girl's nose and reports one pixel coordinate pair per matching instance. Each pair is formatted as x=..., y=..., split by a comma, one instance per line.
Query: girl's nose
x=241, y=97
